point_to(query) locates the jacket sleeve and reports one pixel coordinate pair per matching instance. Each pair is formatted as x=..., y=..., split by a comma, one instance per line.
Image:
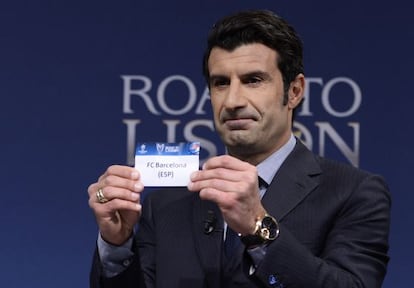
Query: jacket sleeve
x=353, y=252
x=141, y=272
x=132, y=277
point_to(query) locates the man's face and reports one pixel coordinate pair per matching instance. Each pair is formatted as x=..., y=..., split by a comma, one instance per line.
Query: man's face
x=246, y=90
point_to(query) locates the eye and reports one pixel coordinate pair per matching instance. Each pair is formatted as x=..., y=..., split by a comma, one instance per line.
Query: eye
x=219, y=82
x=253, y=80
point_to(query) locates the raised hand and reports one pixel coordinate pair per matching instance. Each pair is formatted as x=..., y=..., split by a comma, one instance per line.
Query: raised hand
x=115, y=201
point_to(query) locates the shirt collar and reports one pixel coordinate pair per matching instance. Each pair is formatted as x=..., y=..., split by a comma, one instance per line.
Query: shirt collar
x=268, y=168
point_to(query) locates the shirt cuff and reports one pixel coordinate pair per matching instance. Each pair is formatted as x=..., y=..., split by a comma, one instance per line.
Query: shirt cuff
x=114, y=259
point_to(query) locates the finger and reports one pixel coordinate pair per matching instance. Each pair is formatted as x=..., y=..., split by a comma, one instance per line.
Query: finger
x=223, y=179
x=108, y=208
x=226, y=161
x=221, y=185
x=111, y=193
x=120, y=182
x=121, y=171
x=225, y=199
x=228, y=168
x=216, y=173
x=119, y=204
x=124, y=189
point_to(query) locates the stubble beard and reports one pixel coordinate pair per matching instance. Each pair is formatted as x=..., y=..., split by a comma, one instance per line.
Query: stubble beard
x=241, y=144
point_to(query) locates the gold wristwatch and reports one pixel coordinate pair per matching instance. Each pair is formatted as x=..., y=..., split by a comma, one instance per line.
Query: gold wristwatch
x=267, y=229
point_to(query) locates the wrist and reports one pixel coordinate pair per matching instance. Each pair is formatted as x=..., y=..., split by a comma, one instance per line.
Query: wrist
x=119, y=239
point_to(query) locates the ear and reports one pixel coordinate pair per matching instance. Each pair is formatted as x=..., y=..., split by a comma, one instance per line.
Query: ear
x=296, y=91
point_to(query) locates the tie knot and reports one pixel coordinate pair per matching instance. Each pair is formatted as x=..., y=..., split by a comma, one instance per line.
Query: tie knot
x=262, y=183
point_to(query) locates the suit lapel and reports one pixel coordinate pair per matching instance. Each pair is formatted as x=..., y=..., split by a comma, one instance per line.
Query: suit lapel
x=296, y=178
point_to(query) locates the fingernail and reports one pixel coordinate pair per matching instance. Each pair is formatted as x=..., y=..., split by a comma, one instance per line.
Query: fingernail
x=134, y=175
x=134, y=196
x=138, y=186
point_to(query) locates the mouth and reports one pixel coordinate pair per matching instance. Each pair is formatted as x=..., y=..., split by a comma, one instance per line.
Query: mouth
x=238, y=123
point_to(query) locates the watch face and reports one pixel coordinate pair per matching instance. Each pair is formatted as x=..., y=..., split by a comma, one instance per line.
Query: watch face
x=270, y=229
x=267, y=229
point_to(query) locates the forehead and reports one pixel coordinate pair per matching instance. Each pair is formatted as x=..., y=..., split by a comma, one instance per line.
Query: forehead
x=246, y=57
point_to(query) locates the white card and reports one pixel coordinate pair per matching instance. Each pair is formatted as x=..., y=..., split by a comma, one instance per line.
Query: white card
x=166, y=164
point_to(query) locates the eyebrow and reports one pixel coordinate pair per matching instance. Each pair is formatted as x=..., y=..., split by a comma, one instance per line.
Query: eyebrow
x=214, y=76
x=254, y=73
x=257, y=73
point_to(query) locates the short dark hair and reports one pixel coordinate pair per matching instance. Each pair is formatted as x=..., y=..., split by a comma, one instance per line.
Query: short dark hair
x=259, y=26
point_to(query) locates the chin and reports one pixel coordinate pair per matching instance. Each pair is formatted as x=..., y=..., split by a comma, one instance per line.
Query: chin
x=240, y=143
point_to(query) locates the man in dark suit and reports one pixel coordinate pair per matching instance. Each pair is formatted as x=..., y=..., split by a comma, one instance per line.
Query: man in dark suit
x=302, y=220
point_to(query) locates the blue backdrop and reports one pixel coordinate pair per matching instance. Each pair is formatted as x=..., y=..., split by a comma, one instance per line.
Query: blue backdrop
x=81, y=81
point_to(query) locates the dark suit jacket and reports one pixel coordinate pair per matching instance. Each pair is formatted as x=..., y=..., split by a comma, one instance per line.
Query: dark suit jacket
x=334, y=224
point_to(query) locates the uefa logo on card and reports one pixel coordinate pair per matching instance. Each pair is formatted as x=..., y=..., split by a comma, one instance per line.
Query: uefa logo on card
x=194, y=148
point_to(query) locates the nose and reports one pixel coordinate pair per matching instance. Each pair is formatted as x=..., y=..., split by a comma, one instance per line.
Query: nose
x=235, y=96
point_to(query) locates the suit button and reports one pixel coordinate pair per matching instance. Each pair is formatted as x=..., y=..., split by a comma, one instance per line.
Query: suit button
x=274, y=281
x=126, y=262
